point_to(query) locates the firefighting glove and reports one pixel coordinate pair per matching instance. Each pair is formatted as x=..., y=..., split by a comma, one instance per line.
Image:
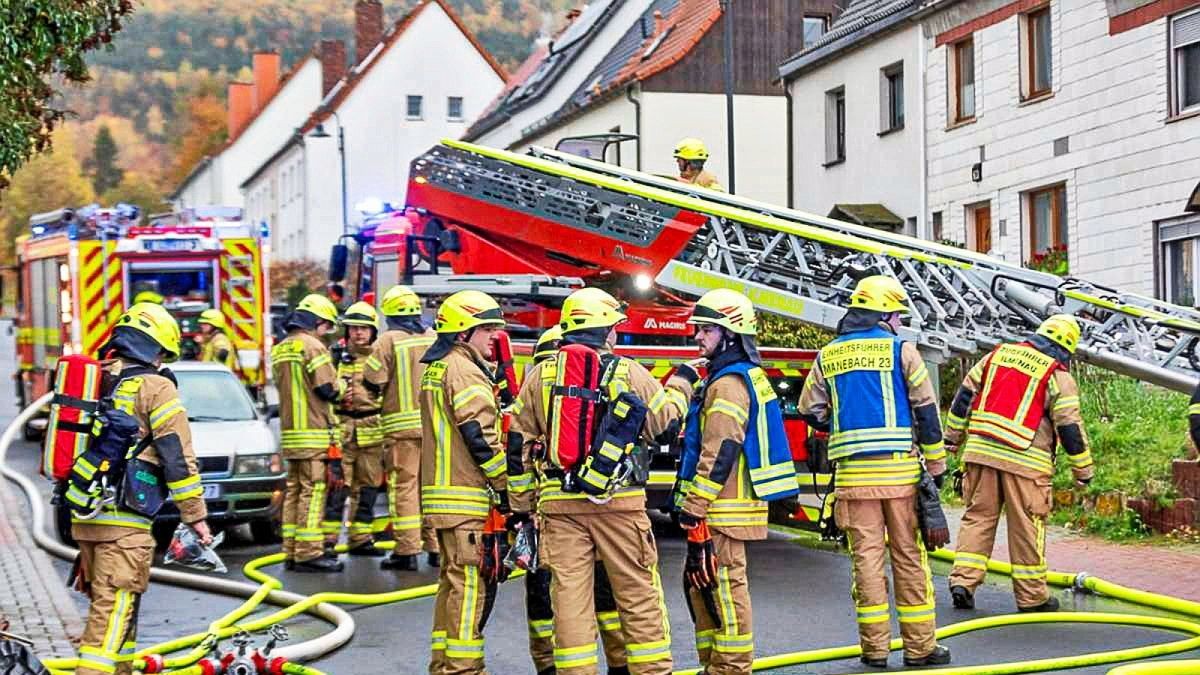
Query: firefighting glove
x=515, y=521
x=700, y=567
x=494, y=549
x=958, y=482
x=335, y=478
x=502, y=504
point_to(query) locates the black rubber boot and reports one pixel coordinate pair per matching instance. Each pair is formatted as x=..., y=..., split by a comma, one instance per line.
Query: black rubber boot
x=321, y=565
x=545, y=671
x=618, y=670
x=407, y=563
x=940, y=656
x=368, y=550
x=289, y=564
x=433, y=559
x=1050, y=605
x=874, y=661
x=963, y=599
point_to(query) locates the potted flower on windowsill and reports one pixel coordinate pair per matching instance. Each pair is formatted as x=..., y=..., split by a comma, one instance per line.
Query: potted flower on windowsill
x=1053, y=260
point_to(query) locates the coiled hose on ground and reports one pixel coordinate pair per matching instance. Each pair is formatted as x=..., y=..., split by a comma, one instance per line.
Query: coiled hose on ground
x=322, y=605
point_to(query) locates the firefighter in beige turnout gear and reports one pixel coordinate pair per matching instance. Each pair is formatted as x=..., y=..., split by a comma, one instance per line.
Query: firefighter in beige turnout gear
x=538, y=610
x=308, y=385
x=575, y=530
x=462, y=472
x=116, y=547
x=217, y=346
x=872, y=391
x=1013, y=408
x=736, y=418
x=394, y=369
x=362, y=434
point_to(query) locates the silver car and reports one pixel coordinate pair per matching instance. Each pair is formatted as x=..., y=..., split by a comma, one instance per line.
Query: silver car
x=240, y=465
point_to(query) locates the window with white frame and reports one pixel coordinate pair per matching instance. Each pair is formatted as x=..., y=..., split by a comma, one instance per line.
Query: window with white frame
x=814, y=27
x=835, y=126
x=891, y=98
x=413, y=107
x=454, y=108
x=1179, y=260
x=1185, y=62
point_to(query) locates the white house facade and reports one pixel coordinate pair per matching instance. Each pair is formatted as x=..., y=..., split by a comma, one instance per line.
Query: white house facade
x=391, y=107
x=857, y=128
x=1069, y=125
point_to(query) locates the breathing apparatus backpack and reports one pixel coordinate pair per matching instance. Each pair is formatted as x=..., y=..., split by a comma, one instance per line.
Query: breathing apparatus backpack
x=72, y=411
x=109, y=471
x=592, y=437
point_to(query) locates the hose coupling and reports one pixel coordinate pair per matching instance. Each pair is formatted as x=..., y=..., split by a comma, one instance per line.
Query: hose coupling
x=1080, y=585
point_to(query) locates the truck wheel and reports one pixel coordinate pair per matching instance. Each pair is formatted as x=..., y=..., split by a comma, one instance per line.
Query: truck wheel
x=265, y=531
x=62, y=524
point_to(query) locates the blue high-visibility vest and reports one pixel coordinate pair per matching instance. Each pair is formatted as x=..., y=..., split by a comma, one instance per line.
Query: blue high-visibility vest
x=868, y=394
x=768, y=456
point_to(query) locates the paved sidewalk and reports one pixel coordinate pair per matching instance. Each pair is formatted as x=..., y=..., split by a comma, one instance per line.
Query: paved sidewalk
x=1148, y=568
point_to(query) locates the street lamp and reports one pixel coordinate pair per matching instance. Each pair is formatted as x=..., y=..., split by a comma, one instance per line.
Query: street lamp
x=727, y=49
x=319, y=132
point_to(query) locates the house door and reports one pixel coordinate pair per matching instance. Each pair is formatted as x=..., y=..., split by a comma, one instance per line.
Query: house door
x=983, y=228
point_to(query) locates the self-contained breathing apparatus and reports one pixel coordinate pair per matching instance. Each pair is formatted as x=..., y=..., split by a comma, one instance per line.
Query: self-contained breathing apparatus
x=106, y=468
x=593, y=438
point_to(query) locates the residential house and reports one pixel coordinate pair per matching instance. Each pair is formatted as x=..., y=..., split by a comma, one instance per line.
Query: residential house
x=856, y=127
x=261, y=115
x=1069, y=124
x=663, y=81
x=554, y=71
x=394, y=104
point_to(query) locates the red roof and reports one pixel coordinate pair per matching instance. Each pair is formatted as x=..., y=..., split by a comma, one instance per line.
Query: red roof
x=352, y=80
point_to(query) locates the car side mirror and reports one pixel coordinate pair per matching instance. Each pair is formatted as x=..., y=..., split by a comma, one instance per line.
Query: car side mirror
x=271, y=411
x=339, y=259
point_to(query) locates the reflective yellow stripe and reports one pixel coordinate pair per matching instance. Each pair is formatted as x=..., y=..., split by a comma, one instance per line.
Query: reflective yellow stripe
x=1194, y=409
x=705, y=488
x=1068, y=402
x=469, y=394
x=934, y=451
x=494, y=466
x=873, y=613
x=577, y=657
x=918, y=376
x=164, y=412
x=647, y=652
x=318, y=361
x=541, y=628
x=971, y=560
x=732, y=410
x=608, y=621
x=1031, y=457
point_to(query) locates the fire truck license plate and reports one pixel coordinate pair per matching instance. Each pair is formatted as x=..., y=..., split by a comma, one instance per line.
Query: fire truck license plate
x=212, y=491
x=170, y=244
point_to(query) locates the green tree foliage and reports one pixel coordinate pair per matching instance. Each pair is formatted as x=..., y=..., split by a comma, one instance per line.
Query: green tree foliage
x=776, y=331
x=41, y=40
x=103, y=163
x=48, y=181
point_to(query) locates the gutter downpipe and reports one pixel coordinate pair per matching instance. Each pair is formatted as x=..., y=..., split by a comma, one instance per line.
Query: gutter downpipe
x=637, y=125
x=791, y=150
x=922, y=219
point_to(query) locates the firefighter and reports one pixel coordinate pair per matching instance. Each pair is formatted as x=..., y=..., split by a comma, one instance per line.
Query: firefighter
x=734, y=421
x=1194, y=423
x=394, y=369
x=872, y=391
x=362, y=434
x=116, y=546
x=214, y=332
x=690, y=156
x=576, y=530
x=309, y=434
x=538, y=609
x=462, y=471
x=1029, y=404
x=148, y=296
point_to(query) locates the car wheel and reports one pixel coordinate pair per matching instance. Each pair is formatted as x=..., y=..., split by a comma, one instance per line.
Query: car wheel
x=265, y=531
x=62, y=524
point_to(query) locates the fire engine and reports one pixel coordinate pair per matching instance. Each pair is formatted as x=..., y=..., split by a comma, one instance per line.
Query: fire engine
x=80, y=268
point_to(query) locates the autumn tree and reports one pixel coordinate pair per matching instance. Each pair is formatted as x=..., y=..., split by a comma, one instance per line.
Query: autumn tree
x=40, y=41
x=202, y=130
x=103, y=162
x=291, y=280
x=137, y=189
x=46, y=182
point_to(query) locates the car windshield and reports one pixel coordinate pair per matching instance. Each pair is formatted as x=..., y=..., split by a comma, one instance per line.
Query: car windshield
x=214, y=396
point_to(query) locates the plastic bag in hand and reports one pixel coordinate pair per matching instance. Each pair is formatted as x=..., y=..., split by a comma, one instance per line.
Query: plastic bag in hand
x=524, y=552
x=185, y=549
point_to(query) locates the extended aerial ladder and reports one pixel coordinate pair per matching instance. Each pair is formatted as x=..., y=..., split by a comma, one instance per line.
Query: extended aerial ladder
x=798, y=265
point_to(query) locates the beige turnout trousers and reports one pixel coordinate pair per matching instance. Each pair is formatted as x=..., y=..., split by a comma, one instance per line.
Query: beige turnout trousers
x=1025, y=503
x=875, y=529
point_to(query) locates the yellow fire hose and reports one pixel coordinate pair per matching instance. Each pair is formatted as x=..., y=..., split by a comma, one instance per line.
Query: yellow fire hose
x=200, y=644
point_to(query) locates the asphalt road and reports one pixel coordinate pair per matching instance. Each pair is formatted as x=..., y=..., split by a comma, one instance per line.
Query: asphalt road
x=801, y=601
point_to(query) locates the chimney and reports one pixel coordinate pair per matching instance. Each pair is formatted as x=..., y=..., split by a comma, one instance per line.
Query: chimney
x=241, y=106
x=332, y=54
x=659, y=22
x=266, y=78
x=368, y=27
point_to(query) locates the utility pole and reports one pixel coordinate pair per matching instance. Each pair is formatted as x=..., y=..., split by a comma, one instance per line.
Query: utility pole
x=728, y=49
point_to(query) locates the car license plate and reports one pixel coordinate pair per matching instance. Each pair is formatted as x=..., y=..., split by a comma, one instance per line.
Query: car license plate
x=212, y=491
x=170, y=244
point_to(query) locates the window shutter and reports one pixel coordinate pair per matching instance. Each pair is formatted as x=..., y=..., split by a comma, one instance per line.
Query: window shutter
x=1185, y=30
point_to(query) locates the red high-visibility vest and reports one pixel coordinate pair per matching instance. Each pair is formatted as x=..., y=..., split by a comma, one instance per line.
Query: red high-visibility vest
x=1011, y=400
